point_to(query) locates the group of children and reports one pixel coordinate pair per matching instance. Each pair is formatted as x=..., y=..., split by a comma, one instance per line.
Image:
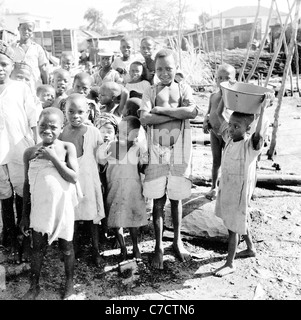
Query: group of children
x=98, y=148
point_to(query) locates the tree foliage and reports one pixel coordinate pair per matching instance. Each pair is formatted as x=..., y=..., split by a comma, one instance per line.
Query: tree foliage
x=95, y=20
x=153, y=15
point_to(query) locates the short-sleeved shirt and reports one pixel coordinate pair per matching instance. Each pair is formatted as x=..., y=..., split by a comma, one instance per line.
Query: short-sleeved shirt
x=112, y=75
x=35, y=56
x=18, y=114
x=119, y=63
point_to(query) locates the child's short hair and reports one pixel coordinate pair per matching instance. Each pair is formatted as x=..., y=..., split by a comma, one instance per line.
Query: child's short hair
x=42, y=88
x=163, y=53
x=82, y=75
x=148, y=38
x=61, y=72
x=132, y=106
x=52, y=110
x=246, y=117
x=132, y=122
x=114, y=87
x=226, y=67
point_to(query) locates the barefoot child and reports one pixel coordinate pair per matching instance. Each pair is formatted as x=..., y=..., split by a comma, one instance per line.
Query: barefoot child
x=211, y=125
x=86, y=139
x=166, y=110
x=125, y=202
x=236, y=181
x=49, y=197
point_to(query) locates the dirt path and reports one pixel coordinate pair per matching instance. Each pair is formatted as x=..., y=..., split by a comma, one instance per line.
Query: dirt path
x=274, y=274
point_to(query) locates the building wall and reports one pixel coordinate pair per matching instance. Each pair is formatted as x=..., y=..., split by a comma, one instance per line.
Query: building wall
x=11, y=22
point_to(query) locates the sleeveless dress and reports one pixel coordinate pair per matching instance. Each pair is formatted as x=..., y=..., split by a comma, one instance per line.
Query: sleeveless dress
x=125, y=202
x=52, y=201
x=91, y=205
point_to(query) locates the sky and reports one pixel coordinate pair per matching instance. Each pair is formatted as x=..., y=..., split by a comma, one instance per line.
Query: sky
x=69, y=13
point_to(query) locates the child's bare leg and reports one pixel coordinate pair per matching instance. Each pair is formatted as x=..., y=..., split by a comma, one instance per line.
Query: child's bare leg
x=10, y=229
x=76, y=240
x=39, y=245
x=120, y=239
x=229, y=267
x=23, y=242
x=69, y=259
x=216, y=149
x=176, y=213
x=158, y=212
x=95, y=243
x=250, y=251
x=134, y=236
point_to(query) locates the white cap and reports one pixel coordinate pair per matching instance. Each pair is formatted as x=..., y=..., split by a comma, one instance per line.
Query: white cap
x=26, y=19
x=105, y=53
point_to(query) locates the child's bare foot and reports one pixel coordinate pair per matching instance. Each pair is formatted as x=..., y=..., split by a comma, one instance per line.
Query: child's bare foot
x=69, y=290
x=248, y=253
x=157, y=261
x=32, y=293
x=211, y=195
x=97, y=258
x=181, y=252
x=224, y=270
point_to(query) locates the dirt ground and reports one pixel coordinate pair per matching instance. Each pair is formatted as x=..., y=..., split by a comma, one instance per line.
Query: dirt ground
x=274, y=274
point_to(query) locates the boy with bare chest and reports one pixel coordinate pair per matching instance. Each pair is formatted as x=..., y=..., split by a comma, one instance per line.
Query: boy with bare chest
x=166, y=109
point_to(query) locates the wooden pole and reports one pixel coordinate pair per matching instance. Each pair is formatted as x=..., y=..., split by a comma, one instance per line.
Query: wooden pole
x=262, y=43
x=222, y=38
x=250, y=44
x=285, y=72
x=205, y=33
x=297, y=61
x=281, y=37
x=285, y=48
x=213, y=43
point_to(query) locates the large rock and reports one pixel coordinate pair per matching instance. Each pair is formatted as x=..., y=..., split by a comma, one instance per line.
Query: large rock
x=199, y=219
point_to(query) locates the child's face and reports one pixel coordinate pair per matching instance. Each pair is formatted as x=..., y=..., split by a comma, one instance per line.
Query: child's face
x=26, y=30
x=237, y=128
x=6, y=67
x=224, y=75
x=47, y=97
x=50, y=127
x=107, y=132
x=126, y=133
x=166, y=69
x=147, y=48
x=82, y=86
x=105, y=95
x=106, y=61
x=135, y=72
x=125, y=49
x=77, y=112
x=67, y=63
x=61, y=82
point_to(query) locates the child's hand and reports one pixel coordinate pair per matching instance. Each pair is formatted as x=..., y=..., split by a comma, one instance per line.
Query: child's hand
x=47, y=153
x=155, y=110
x=24, y=226
x=102, y=153
x=206, y=125
x=268, y=96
